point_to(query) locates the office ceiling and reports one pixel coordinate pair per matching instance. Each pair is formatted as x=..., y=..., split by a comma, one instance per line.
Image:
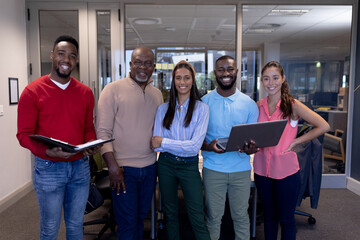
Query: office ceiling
x=213, y=27
x=305, y=33
x=321, y=33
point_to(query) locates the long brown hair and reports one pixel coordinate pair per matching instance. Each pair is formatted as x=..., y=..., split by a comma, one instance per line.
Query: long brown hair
x=194, y=95
x=286, y=98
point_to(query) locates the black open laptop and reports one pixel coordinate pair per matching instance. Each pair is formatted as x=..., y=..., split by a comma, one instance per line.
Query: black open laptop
x=265, y=134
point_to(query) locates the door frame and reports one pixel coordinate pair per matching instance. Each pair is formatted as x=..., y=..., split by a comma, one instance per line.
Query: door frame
x=34, y=36
x=87, y=39
x=117, y=44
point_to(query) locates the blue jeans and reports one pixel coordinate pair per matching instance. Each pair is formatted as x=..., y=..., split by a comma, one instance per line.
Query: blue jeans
x=132, y=207
x=58, y=185
x=278, y=197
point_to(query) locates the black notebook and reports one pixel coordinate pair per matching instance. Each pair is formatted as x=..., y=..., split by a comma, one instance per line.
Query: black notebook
x=66, y=147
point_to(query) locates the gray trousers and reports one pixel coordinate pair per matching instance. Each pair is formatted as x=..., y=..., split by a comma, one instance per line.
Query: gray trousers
x=237, y=185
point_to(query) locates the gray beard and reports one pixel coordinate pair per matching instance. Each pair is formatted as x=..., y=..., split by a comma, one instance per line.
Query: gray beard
x=139, y=79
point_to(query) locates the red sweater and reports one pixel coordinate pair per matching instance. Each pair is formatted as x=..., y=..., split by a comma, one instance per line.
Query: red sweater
x=47, y=110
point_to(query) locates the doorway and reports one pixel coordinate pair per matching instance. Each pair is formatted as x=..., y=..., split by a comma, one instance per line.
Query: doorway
x=96, y=26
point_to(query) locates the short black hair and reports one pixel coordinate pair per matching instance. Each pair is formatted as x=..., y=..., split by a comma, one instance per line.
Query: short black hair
x=66, y=38
x=225, y=57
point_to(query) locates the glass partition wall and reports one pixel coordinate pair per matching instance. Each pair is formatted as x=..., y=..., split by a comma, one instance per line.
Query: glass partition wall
x=198, y=34
x=313, y=45
x=50, y=23
x=103, y=47
x=312, y=42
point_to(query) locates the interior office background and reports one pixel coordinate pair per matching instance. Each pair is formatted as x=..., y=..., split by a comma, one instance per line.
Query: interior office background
x=18, y=52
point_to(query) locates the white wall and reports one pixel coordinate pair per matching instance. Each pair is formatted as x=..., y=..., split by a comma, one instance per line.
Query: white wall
x=15, y=161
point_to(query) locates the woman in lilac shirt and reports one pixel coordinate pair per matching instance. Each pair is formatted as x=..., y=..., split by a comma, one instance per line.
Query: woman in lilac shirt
x=276, y=168
x=179, y=131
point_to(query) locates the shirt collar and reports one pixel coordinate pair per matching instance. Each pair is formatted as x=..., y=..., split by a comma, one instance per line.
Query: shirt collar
x=263, y=102
x=185, y=104
x=231, y=97
x=135, y=83
x=266, y=102
x=60, y=85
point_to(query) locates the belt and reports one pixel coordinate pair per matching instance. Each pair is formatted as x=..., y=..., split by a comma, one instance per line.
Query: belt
x=181, y=159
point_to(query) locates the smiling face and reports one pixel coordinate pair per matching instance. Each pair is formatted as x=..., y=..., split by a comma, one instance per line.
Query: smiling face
x=64, y=58
x=226, y=72
x=183, y=82
x=272, y=81
x=142, y=65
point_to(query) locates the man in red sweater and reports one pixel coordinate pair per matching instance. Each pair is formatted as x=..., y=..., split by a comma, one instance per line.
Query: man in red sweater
x=59, y=106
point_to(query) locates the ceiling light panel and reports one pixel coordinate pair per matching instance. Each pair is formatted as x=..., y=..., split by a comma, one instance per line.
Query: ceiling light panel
x=146, y=21
x=288, y=12
x=207, y=23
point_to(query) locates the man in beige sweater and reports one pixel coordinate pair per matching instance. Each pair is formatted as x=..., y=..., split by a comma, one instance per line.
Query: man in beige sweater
x=126, y=112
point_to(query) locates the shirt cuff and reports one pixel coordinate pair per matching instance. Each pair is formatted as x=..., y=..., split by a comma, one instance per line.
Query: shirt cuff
x=163, y=145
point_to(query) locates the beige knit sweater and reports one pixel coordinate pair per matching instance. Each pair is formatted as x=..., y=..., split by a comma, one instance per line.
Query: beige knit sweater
x=126, y=112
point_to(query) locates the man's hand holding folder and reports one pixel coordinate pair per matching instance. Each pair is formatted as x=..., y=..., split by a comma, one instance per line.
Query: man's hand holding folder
x=61, y=149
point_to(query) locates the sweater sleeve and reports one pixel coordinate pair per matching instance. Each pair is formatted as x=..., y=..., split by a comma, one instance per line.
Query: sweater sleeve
x=89, y=118
x=26, y=123
x=106, y=112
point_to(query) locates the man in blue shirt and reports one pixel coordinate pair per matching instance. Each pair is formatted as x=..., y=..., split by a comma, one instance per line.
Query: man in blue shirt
x=227, y=172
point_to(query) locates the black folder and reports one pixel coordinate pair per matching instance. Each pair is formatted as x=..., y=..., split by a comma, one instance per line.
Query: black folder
x=66, y=147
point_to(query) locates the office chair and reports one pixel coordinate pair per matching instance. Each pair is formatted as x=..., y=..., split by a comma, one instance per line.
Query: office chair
x=311, y=219
x=335, y=146
x=100, y=176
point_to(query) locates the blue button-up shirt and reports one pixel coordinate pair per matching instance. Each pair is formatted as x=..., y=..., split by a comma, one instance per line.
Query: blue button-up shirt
x=180, y=140
x=226, y=112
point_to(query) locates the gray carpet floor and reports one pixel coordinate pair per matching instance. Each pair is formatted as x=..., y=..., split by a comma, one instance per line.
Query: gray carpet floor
x=337, y=217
